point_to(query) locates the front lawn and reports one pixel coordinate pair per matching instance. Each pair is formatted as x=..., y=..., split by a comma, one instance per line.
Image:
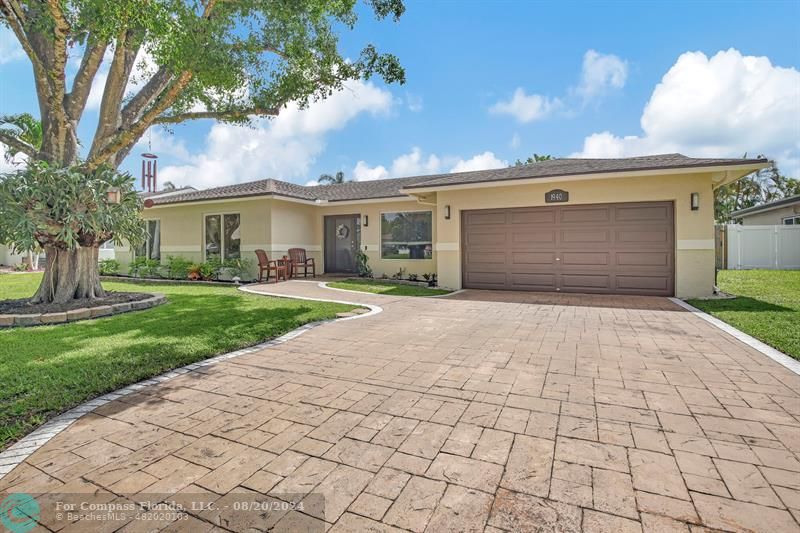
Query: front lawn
x=767, y=306
x=377, y=286
x=49, y=369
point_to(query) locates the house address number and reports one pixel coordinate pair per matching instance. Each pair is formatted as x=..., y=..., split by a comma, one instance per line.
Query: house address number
x=556, y=196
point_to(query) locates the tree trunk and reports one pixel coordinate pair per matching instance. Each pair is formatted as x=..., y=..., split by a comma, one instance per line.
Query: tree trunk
x=70, y=275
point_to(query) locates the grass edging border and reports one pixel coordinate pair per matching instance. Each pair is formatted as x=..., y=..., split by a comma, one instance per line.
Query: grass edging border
x=324, y=285
x=760, y=346
x=18, y=320
x=15, y=454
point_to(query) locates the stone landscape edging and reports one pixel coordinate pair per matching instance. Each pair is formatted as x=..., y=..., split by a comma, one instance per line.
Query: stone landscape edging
x=16, y=320
x=23, y=448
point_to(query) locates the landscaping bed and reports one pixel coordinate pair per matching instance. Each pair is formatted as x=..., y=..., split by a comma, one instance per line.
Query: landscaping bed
x=389, y=287
x=24, y=306
x=50, y=369
x=767, y=306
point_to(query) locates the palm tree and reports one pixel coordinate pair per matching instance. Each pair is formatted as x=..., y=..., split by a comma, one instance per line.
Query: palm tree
x=332, y=180
x=535, y=159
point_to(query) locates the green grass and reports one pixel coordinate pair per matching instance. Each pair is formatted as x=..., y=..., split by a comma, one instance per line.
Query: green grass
x=49, y=369
x=385, y=287
x=767, y=306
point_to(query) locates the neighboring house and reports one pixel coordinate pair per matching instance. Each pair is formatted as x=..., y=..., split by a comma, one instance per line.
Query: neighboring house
x=784, y=212
x=641, y=225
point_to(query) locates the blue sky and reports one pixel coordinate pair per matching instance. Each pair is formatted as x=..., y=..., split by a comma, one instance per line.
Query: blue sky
x=489, y=82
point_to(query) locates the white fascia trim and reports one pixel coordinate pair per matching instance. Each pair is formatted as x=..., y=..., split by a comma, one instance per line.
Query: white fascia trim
x=579, y=177
x=696, y=244
x=765, y=209
x=777, y=356
x=319, y=203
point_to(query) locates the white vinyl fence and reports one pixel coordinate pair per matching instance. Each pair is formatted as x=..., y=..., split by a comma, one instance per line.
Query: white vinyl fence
x=769, y=247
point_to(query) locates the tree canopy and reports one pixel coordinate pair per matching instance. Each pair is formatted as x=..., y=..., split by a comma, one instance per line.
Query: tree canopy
x=762, y=187
x=535, y=158
x=332, y=179
x=224, y=60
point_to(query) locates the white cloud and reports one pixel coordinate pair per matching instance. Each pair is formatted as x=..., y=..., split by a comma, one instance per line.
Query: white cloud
x=483, y=161
x=601, y=72
x=10, y=50
x=414, y=102
x=283, y=148
x=17, y=162
x=415, y=163
x=515, y=141
x=526, y=107
x=724, y=106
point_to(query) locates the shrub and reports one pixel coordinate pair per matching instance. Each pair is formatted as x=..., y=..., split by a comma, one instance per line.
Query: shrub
x=109, y=267
x=238, y=268
x=363, y=269
x=145, y=268
x=210, y=269
x=178, y=267
x=413, y=277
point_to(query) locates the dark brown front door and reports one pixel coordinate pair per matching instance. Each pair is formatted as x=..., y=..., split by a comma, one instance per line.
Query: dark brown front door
x=342, y=240
x=625, y=248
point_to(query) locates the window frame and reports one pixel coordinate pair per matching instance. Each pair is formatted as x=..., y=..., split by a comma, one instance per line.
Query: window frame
x=380, y=232
x=146, y=243
x=795, y=218
x=221, y=215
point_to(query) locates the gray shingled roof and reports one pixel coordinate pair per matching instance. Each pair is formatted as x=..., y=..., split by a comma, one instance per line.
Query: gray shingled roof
x=392, y=188
x=573, y=167
x=789, y=200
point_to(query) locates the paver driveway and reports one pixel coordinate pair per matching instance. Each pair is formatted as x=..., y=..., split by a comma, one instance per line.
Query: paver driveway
x=534, y=413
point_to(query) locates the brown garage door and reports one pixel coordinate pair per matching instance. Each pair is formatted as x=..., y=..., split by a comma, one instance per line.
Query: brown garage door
x=599, y=248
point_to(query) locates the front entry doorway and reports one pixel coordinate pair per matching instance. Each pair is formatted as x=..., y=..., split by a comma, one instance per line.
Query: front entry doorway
x=342, y=241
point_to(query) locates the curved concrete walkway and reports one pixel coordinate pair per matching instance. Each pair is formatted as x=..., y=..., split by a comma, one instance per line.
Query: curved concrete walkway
x=461, y=413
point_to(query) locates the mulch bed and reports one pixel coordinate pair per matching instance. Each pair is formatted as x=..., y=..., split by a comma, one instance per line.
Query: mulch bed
x=24, y=307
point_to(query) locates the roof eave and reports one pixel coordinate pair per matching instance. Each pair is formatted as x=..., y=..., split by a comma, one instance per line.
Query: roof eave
x=745, y=168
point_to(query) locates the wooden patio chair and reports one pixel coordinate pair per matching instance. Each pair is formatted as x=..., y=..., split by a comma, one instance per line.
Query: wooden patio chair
x=299, y=260
x=265, y=265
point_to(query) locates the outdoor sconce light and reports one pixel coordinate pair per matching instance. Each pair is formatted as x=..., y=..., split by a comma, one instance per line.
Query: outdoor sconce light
x=366, y=220
x=447, y=212
x=114, y=196
x=695, y=201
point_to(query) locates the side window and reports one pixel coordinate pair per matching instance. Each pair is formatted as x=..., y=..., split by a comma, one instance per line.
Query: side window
x=223, y=236
x=151, y=247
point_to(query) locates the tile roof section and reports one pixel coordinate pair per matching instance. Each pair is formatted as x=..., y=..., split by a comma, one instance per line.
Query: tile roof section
x=393, y=188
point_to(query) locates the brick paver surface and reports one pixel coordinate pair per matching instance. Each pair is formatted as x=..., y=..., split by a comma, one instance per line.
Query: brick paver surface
x=477, y=412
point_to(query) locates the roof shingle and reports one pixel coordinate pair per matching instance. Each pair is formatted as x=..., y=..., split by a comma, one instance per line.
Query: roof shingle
x=393, y=188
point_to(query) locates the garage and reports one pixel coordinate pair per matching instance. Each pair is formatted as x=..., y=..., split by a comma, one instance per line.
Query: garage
x=620, y=248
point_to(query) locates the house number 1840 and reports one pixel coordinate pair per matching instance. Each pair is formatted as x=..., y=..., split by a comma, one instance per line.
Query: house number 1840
x=556, y=196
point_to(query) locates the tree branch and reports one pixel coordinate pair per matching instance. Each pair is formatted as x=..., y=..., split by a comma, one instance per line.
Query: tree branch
x=237, y=114
x=14, y=16
x=146, y=96
x=114, y=91
x=82, y=86
x=16, y=144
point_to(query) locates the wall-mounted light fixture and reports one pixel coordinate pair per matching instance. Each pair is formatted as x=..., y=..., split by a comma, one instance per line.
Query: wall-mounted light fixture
x=447, y=212
x=695, y=201
x=366, y=220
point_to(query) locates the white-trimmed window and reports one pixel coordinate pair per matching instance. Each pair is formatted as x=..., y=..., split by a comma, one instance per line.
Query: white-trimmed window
x=222, y=236
x=407, y=235
x=151, y=247
x=792, y=221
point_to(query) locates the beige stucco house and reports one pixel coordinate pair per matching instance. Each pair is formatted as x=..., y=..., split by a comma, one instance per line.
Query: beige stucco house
x=780, y=212
x=642, y=225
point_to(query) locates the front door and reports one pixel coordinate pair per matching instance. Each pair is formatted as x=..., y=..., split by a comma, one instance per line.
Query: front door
x=342, y=241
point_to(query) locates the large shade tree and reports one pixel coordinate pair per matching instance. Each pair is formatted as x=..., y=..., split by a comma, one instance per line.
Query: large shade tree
x=228, y=60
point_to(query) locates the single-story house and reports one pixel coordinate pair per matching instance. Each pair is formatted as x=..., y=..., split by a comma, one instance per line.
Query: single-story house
x=785, y=211
x=639, y=225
